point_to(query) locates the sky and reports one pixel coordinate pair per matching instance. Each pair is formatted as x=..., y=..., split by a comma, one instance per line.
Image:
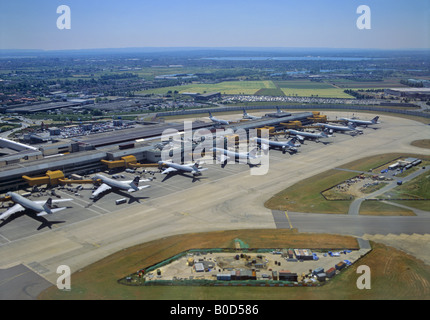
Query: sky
x=395, y=24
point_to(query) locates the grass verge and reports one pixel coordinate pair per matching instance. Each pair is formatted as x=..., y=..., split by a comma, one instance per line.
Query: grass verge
x=394, y=274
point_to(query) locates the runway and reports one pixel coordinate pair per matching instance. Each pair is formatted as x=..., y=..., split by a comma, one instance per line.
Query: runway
x=226, y=199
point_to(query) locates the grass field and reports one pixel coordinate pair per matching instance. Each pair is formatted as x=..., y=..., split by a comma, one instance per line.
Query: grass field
x=378, y=208
x=305, y=196
x=298, y=87
x=394, y=274
x=304, y=88
x=226, y=87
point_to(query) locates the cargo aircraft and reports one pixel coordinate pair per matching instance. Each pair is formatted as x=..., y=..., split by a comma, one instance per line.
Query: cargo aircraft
x=40, y=207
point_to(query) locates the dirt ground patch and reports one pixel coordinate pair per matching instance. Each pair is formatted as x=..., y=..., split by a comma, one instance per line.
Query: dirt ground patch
x=425, y=143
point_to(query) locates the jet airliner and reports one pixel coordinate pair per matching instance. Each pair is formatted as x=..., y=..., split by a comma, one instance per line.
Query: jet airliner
x=40, y=207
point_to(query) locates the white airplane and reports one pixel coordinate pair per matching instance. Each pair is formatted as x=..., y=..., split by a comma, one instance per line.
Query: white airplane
x=332, y=128
x=289, y=146
x=218, y=121
x=41, y=207
x=108, y=184
x=174, y=167
x=278, y=110
x=248, y=116
x=223, y=155
x=301, y=135
x=362, y=122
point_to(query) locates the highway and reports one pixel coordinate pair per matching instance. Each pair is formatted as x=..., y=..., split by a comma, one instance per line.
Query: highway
x=228, y=198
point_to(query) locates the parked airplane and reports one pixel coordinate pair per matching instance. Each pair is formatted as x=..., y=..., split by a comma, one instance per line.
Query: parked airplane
x=218, y=121
x=362, y=122
x=301, y=135
x=289, y=146
x=332, y=128
x=107, y=184
x=40, y=207
x=223, y=155
x=278, y=110
x=248, y=116
x=175, y=167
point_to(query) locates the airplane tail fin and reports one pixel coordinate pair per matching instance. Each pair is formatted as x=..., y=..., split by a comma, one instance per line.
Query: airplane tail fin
x=135, y=183
x=196, y=167
x=210, y=114
x=252, y=153
x=48, y=205
x=292, y=142
x=375, y=120
x=352, y=125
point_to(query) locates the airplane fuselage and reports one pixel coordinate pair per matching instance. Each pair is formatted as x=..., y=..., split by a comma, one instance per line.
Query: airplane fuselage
x=307, y=134
x=362, y=122
x=338, y=128
x=177, y=166
x=112, y=183
x=277, y=144
x=26, y=203
x=234, y=154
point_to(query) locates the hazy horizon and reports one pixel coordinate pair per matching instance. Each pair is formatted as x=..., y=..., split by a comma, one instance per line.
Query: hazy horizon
x=287, y=24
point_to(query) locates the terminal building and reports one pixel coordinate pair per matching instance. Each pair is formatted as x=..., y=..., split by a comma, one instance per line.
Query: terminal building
x=84, y=155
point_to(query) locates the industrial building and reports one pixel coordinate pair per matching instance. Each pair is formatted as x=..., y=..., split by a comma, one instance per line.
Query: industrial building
x=413, y=93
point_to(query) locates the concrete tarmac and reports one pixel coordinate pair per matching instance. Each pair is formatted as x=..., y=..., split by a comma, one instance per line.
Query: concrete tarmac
x=229, y=198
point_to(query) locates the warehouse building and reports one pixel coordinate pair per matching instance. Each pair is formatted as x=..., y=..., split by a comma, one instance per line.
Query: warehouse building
x=409, y=92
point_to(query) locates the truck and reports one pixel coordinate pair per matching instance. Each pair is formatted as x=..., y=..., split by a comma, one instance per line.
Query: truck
x=121, y=201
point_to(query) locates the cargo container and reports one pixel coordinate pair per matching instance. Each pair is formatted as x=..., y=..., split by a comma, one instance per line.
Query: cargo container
x=199, y=267
x=223, y=277
x=340, y=265
x=321, y=276
x=317, y=270
x=303, y=254
x=330, y=272
x=286, y=275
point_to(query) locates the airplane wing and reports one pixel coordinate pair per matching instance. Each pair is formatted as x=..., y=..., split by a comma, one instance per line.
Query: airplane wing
x=16, y=208
x=104, y=187
x=223, y=158
x=53, y=201
x=169, y=170
x=301, y=138
x=140, y=188
x=44, y=213
x=130, y=181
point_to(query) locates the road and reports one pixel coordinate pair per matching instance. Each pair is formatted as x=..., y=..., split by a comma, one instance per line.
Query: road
x=233, y=201
x=354, y=208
